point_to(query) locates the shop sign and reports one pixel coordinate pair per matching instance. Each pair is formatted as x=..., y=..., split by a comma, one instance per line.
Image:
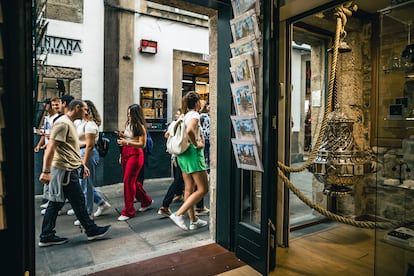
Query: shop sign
x=61, y=45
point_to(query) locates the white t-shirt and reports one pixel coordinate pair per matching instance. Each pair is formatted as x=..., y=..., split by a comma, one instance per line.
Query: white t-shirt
x=193, y=115
x=83, y=127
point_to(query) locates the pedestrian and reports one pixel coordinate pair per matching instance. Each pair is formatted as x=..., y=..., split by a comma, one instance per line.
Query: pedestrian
x=53, y=109
x=177, y=186
x=132, y=142
x=192, y=164
x=88, y=134
x=62, y=168
x=201, y=209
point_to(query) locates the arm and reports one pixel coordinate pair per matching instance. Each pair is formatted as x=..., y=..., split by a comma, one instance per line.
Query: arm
x=191, y=131
x=137, y=142
x=90, y=144
x=47, y=162
x=40, y=144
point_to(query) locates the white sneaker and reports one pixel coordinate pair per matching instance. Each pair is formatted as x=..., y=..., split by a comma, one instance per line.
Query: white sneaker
x=143, y=209
x=102, y=209
x=123, y=218
x=198, y=224
x=202, y=211
x=179, y=221
x=77, y=222
x=44, y=205
x=70, y=212
x=43, y=212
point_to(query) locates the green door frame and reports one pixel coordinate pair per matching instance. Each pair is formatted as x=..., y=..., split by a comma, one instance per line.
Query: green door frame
x=18, y=254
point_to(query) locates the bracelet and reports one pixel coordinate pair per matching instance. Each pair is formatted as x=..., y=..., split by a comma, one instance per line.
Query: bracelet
x=46, y=172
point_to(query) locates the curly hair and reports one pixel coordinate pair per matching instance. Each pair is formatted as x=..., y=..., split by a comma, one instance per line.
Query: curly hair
x=93, y=113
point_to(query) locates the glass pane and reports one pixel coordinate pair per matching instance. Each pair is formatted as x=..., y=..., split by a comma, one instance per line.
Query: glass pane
x=251, y=200
x=308, y=55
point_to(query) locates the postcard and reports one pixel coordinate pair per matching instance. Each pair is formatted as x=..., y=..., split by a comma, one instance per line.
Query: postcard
x=247, y=155
x=147, y=93
x=245, y=128
x=146, y=103
x=243, y=98
x=158, y=94
x=149, y=113
x=246, y=45
x=245, y=25
x=241, y=6
x=242, y=68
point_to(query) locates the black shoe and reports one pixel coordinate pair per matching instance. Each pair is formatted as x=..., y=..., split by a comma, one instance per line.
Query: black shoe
x=53, y=240
x=99, y=232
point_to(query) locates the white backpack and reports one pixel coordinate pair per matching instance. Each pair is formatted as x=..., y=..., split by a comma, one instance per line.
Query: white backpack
x=177, y=141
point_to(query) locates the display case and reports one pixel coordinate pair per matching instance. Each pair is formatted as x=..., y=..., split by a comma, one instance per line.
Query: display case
x=154, y=104
x=394, y=250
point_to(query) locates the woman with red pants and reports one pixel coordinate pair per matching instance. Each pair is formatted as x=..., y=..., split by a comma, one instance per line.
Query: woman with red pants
x=132, y=142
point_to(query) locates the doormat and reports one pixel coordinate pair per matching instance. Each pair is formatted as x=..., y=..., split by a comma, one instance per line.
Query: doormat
x=211, y=259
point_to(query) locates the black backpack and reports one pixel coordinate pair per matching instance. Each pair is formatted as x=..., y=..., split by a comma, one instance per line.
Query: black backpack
x=102, y=145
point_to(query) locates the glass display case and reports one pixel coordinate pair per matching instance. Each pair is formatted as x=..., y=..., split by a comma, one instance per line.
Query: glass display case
x=154, y=104
x=395, y=142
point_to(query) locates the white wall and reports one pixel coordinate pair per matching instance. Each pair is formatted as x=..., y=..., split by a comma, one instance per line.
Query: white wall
x=91, y=60
x=157, y=70
x=149, y=70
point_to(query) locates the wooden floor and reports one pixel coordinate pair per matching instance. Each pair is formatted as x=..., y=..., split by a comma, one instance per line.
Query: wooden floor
x=337, y=250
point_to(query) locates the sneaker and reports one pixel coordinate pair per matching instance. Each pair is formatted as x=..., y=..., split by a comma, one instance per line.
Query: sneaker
x=53, y=240
x=98, y=233
x=164, y=211
x=70, y=212
x=198, y=224
x=202, y=211
x=77, y=222
x=123, y=218
x=102, y=209
x=44, y=205
x=179, y=221
x=43, y=212
x=178, y=198
x=143, y=209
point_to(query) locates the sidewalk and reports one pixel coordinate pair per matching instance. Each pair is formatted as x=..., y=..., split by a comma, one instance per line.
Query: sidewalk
x=145, y=236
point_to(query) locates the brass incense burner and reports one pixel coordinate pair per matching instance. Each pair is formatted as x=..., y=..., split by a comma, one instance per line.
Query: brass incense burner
x=339, y=162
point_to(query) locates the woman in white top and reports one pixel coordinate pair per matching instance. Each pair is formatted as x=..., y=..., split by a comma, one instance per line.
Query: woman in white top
x=192, y=164
x=88, y=133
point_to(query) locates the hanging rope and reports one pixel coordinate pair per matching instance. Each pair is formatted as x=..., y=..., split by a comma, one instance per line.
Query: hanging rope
x=341, y=14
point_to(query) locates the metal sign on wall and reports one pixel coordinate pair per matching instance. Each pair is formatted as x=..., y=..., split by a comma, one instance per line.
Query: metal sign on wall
x=61, y=45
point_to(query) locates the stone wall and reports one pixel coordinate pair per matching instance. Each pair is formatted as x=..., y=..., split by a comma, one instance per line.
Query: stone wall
x=68, y=10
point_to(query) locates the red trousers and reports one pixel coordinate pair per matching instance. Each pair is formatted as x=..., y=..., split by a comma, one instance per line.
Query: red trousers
x=132, y=160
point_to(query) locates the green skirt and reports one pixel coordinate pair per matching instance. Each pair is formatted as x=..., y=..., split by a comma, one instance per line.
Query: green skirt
x=192, y=160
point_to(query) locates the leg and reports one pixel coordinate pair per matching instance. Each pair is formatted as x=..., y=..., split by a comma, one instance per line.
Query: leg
x=140, y=193
x=175, y=187
x=49, y=220
x=130, y=176
x=97, y=198
x=201, y=180
x=77, y=200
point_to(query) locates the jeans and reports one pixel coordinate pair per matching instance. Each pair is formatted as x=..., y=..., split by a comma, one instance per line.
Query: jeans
x=176, y=187
x=74, y=194
x=88, y=184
